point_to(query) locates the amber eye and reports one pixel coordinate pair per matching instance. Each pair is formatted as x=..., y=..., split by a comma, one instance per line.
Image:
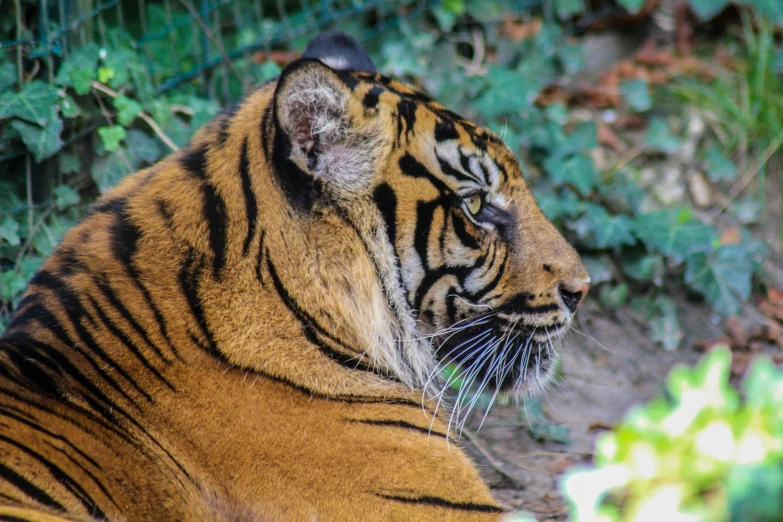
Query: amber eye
x=473, y=203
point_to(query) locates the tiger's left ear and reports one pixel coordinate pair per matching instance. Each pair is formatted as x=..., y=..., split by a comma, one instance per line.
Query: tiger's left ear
x=331, y=137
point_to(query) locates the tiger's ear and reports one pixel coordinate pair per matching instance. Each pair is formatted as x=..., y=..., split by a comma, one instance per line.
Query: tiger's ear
x=331, y=138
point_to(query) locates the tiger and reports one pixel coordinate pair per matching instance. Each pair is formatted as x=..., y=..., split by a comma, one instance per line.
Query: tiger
x=255, y=327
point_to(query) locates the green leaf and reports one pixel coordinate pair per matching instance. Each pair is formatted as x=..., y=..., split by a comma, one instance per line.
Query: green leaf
x=632, y=6
x=69, y=108
x=566, y=9
x=68, y=163
x=455, y=7
x=637, y=94
x=109, y=169
x=65, y=197
x=507, y=92
x=599, y=229
x=571, y=57
x=43, y=142
x=8, y=75
x=707, y=9
x=583, y=138
x=127, y=109
x=665, y=325
x=33, y=103
x=12, y=284
x=613, y=296
x=111, y=137
x=9, y=231
x=576, y=170
x=722, y=277
x=719, y=167
x=79, y=70
x=640, y=267
x=539, y=427
x=596, y=267
x=268, y=71
x=143, y=148
x=660, y=138
x=674, y=233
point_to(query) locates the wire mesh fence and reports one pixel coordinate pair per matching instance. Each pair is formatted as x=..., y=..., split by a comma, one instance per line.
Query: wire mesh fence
x=197, y=37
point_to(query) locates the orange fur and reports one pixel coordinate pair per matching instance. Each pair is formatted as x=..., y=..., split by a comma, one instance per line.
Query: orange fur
x=190, y=354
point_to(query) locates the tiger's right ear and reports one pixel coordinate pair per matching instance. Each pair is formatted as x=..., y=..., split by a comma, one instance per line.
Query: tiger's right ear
x=317, y=111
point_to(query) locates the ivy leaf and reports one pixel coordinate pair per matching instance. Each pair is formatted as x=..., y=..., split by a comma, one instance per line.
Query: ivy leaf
x=65, y=197
x=576, y=170
x=507, y=92
x=719, y=167
x=722, y=277
x=541, y=428
x=613, y=296
x=111, y=137
x=583, y=138
x=660, y=138
x=632, y=6
x=12, y=284
x=143, y=148
x=9, y=231
x=708, y=9
x=43, y=142
x=568, y=8
x=69, y=108
x=637, y=94
x=79, y=70
x=8, y=75
x=596, y=267
x=599, y=229
x=68, y=163
x=109, y=169
x=665, y=326
x=33, y=103
x=127, y=109
x=639, y=266
x=674, y=232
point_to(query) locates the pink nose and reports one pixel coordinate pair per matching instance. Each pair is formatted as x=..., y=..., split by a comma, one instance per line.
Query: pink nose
x=573, y=297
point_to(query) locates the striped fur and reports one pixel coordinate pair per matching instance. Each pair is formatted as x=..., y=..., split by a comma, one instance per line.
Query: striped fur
x=250, y=329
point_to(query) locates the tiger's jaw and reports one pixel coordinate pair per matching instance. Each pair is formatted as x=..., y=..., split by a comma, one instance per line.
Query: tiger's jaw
x=501, y=353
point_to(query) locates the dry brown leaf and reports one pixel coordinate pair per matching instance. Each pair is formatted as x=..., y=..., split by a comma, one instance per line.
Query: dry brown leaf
x=518, y=31
x=731, y=236
x=560, y=465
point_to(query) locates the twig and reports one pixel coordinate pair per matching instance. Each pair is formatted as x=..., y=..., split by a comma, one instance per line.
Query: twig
x=200, y=21
x=750, y=174
x=496, y=465
x=108, y=117
x=143, y=115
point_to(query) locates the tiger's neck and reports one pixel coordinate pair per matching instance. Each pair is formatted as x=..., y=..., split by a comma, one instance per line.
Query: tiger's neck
x=202, y=252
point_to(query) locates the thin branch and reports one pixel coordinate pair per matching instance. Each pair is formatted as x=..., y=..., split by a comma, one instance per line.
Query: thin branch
x=143, y=115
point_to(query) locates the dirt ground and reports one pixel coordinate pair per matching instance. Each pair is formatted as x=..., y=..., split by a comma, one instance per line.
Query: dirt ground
x=609, y=365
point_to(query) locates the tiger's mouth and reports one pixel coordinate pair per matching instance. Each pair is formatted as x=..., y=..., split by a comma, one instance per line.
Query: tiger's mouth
x=501, y=353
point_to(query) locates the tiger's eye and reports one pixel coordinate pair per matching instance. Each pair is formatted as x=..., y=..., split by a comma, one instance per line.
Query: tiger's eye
x=473, y=203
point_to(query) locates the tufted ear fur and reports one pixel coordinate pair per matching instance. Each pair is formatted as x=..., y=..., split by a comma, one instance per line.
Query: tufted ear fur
x=331, y=137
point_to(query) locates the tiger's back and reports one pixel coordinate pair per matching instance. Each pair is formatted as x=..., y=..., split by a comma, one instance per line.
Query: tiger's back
x=240, y=331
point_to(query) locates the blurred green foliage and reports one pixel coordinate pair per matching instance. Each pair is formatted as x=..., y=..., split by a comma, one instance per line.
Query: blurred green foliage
x=703, y=453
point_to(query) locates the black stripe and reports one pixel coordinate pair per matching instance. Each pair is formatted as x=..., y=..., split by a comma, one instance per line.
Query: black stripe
x=401, y=424
x=442, y=502
x=372, y=97
x=445, y=130
x=251, y=206
x=188, y=280
x=447, y=169
x=386, y=201
x=125, y=238
x=224, y=122
x=195, y=161
x=28, y=488
x=61, y=476
x=260, y=258
x=410, y=166
x=315, y=332
x=458, y=221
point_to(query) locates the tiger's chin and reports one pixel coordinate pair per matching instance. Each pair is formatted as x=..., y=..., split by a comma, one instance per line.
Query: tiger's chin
x=507, y=358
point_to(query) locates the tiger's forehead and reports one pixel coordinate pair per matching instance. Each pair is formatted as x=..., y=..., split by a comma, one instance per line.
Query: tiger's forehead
x=468, y=149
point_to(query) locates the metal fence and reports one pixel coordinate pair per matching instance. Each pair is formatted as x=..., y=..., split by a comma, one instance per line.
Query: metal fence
x=219, y=32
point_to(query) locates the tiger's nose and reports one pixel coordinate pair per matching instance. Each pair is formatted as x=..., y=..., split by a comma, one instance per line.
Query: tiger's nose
x=573, y=296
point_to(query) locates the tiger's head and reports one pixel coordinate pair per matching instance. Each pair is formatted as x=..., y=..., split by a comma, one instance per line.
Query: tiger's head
x=472, y=271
